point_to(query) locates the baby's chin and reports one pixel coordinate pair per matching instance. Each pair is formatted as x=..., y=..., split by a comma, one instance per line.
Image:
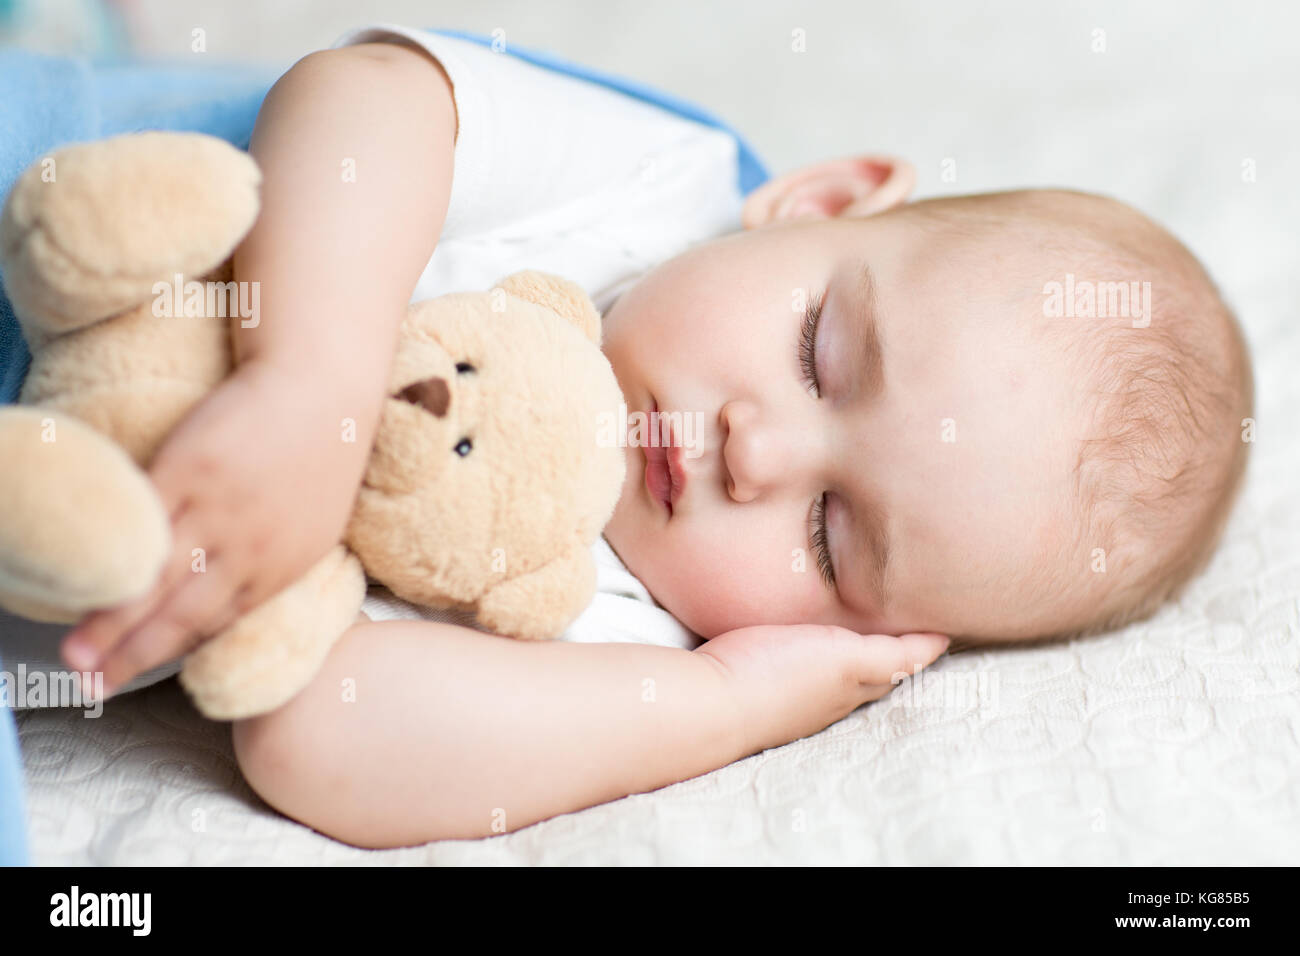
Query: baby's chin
x=628, y=531
x=640, y=546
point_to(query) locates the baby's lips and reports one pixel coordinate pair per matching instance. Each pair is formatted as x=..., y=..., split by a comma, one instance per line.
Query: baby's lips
x=658, y=477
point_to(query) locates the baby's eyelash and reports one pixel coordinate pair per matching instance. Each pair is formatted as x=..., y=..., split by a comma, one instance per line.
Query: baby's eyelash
x=808, y=345
x=821, y=547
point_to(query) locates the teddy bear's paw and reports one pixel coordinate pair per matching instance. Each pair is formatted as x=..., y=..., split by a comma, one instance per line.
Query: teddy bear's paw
x=81, y=527
x=88, y=231
x=273, y=652
x=541, y=604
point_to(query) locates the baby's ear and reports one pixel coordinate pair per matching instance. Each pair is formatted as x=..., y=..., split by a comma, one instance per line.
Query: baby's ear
x=837, y=189
x=560, y=295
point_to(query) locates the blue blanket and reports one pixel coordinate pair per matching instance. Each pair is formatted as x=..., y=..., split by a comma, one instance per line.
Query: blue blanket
x=13, y=814
x=49, y=101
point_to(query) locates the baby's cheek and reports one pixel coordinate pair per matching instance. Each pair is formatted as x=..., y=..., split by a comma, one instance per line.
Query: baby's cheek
x=724, y=582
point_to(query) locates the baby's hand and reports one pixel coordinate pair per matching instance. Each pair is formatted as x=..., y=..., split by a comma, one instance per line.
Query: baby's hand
x=793, y=680
x=257, y=477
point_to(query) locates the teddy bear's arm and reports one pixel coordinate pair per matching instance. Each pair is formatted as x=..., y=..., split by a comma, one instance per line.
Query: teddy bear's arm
x=541, y=604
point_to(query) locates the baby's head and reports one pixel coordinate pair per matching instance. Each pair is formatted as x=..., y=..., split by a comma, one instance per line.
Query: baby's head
x=998, y=417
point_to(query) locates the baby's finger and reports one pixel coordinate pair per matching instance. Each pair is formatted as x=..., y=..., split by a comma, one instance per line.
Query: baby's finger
x=86, y=644
x=193, y=612
x=887, y=660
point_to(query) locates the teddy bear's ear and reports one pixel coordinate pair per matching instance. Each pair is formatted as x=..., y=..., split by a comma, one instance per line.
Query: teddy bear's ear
x=560, y=295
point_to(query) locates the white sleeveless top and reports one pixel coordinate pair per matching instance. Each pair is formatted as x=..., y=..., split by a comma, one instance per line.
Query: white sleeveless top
x=552, y=173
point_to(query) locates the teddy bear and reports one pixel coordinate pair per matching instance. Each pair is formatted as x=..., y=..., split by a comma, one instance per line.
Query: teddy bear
x=485, y=487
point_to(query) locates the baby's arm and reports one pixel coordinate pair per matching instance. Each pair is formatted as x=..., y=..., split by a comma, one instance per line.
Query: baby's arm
x=355, y=147
x=416, y=731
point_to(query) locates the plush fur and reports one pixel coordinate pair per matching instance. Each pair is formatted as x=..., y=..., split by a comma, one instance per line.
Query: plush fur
x=501, y=527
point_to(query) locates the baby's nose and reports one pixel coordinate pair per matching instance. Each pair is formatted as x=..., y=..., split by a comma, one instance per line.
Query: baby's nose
x=431, y=394
x=757, y=452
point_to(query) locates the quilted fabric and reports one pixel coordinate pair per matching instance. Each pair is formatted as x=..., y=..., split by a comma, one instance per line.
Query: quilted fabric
x=1175, y=741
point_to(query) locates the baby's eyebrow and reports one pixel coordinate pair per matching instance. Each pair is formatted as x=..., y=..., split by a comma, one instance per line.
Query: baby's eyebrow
x=871, y=519
x=874, y=552
x=866, y=305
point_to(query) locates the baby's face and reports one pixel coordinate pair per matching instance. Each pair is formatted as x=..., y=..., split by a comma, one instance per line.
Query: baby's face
x=908, y=468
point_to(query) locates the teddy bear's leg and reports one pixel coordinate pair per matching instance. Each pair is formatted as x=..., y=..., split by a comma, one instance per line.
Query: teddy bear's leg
x=90, y=230
x=541, y=604
x=81, y=527
x=273, y=652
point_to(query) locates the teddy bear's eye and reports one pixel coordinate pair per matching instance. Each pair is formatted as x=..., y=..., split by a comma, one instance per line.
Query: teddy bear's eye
x=463, y=367
x=464, y=447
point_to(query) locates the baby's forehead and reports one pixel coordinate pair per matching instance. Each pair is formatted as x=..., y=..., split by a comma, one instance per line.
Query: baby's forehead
x=1043, y=256
x=1121, y=350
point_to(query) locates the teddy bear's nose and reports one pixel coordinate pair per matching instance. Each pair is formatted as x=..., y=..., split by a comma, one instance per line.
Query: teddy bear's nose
x=431, y=394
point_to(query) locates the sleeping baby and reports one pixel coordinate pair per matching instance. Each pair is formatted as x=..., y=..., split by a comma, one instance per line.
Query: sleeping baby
x=992, y=418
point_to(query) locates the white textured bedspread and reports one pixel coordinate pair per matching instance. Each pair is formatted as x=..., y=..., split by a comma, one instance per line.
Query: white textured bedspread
x=1176, y=741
